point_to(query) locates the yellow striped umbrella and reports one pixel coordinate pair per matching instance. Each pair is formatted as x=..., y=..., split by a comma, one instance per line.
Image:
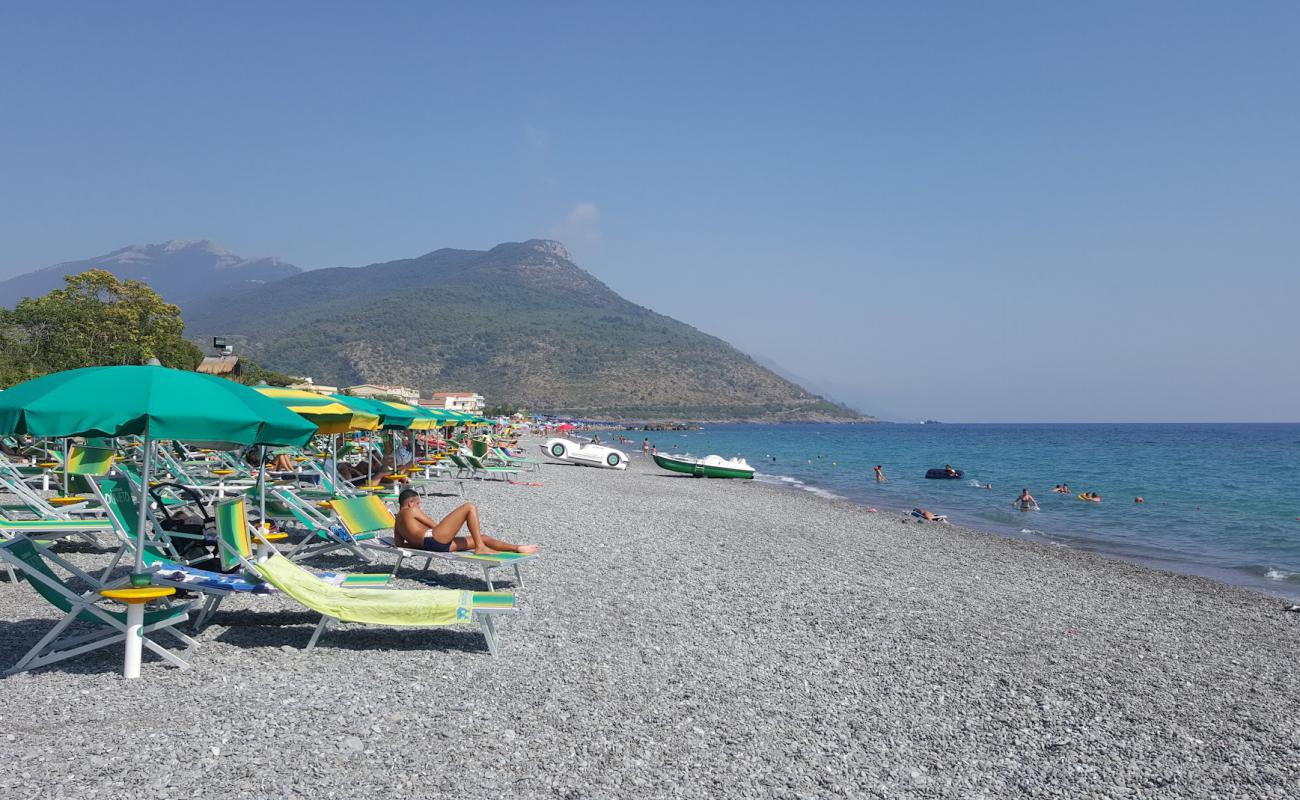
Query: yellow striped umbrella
x=326, y=413
x=423, y=419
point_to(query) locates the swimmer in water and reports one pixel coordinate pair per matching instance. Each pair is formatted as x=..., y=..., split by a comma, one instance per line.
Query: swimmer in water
x=880, y=473
x=988, y=486
x=947, y=468
x=1139, y=499
x=1065, y=488
x=1026, y=501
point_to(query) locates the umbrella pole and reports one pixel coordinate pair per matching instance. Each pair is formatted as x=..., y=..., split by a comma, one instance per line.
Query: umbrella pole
x=66, y=492
x=334, y=463
x=143, y=518
x=261, y=490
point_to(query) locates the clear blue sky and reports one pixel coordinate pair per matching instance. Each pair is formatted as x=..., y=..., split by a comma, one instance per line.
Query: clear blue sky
x=993, y=211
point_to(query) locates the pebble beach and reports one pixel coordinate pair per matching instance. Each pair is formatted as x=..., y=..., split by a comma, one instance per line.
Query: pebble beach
x=695, y=638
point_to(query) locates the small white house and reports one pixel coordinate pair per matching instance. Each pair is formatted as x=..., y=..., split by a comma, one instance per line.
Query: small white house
x=456, y=401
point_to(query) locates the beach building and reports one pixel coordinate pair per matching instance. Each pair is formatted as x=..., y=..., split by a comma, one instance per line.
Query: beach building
x=469, y=402
x=309, y=385
x=403, y=393
x=223, y=366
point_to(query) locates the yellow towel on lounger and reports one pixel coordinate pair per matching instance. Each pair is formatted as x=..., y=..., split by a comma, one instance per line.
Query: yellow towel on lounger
x=396, y=607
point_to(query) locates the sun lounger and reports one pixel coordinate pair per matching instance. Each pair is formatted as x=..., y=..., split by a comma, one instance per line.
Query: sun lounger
x=118, y=496
x=325, y=532
x=369, y=516
x=107, y=627
x=396, y=608
x=511, y=460
x=484, y=471
x=486, y=562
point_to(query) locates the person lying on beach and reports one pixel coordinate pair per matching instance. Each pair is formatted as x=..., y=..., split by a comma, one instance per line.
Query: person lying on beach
x=417, y=531
x=1026, y=501
x=927, y=516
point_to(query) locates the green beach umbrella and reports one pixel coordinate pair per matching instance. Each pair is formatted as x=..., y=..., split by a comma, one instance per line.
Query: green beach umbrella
x=421, y=420
x=391, y=415
x=158, y=402
x=151, y=402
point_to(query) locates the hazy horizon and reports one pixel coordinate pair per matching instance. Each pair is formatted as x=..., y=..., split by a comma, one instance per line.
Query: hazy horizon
x=1004, y=213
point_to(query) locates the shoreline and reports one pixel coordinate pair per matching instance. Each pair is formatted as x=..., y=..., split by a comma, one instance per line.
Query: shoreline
x=693, y=638
x=1082, y=543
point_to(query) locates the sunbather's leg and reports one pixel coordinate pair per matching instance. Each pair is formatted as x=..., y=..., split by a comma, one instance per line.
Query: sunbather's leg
x=466, y=515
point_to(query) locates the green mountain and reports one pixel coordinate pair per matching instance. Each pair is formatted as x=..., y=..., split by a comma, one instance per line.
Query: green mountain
x=520, y=323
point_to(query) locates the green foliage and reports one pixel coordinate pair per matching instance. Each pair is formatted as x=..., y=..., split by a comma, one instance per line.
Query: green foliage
x=252, y=373
x=95, y=320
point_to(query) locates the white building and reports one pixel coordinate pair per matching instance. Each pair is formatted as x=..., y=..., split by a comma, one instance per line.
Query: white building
x=456, y=401
x=403, y=393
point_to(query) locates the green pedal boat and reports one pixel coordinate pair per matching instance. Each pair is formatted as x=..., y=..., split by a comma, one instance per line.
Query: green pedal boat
x=707, y=467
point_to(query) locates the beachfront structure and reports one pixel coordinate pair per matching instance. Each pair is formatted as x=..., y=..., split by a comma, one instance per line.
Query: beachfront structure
x=224, y=366
x=309, y=385
x=468, y=402
x=403, y=393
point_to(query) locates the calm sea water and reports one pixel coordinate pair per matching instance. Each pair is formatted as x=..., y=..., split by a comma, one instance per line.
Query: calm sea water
x=1221, y=500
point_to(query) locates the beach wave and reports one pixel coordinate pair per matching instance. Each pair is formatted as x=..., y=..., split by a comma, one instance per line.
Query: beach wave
x=795, y=483
x=1272, y=573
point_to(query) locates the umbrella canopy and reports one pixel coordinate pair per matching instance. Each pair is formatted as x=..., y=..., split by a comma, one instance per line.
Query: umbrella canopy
x=158, y=402
x=391, y=415
x=328, y=414
x=421, y=420
x=443, y=415
x=153, y=402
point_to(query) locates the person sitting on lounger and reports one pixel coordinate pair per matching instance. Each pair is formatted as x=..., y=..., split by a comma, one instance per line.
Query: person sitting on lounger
x=417, y=531
x=356, y=473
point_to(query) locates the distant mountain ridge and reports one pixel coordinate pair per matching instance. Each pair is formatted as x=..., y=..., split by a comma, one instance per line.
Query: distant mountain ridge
x=520, y=323
x=181, y=271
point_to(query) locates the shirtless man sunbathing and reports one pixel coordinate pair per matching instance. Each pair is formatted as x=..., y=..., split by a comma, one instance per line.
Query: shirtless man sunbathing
x=416, y=531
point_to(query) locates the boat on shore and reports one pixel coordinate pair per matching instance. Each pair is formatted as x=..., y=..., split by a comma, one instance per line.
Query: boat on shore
x=708, y=467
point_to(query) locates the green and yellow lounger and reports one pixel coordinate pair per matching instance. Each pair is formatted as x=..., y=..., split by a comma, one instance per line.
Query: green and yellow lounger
x=397, y=608
x=369, y=516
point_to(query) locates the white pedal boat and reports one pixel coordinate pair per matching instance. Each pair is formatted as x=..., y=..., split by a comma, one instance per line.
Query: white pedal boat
x=590, y=455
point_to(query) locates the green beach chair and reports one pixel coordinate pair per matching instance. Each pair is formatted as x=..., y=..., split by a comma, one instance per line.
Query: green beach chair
x=463, y=467
x=370, y=515
x=117, y=496
x=486, y=562
x=235, y=536
x=397, y=608
x=107, y=627
x=325, y=532
x=490, y=473
x=511, y=460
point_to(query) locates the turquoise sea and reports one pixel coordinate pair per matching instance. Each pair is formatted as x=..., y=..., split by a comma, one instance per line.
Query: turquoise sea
x=1222, y=500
